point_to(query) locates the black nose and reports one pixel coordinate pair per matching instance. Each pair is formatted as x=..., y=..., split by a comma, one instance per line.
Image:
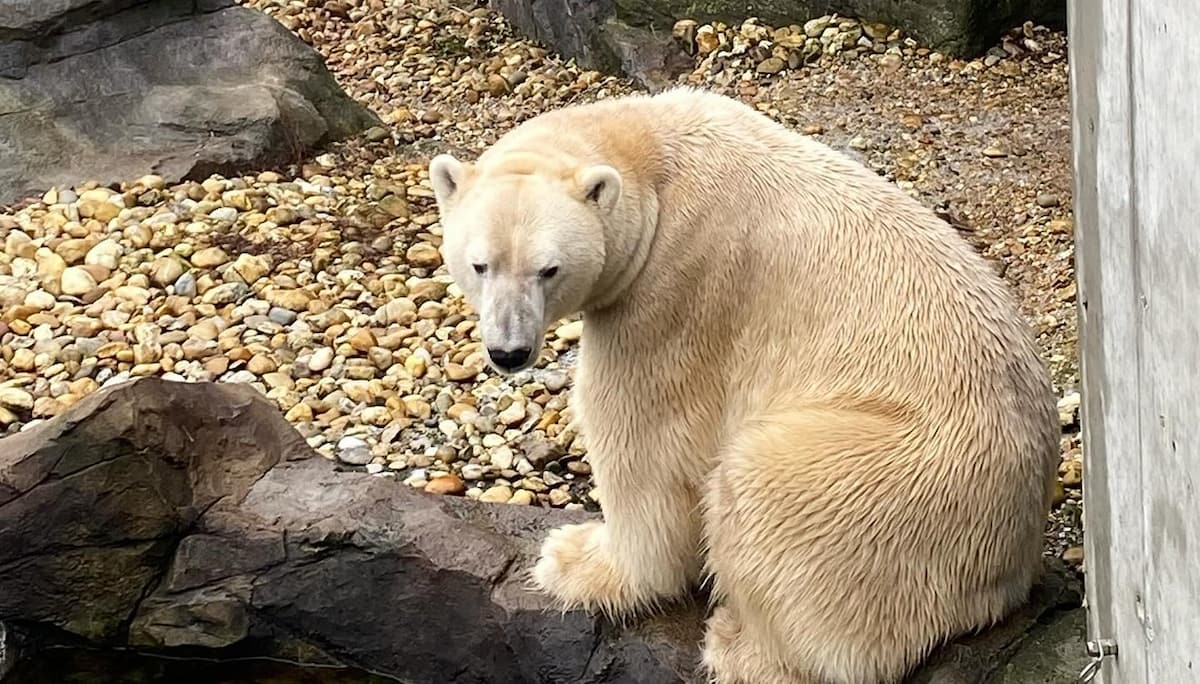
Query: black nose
x=509, y=358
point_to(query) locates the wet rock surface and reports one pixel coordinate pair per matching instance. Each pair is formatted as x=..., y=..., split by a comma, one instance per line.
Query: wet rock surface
x=169, y=516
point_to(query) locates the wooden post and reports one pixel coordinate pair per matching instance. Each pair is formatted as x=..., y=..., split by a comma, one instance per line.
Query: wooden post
x=1135, y=82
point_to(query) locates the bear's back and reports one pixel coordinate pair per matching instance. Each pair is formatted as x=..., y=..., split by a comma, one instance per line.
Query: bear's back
x=813, y=265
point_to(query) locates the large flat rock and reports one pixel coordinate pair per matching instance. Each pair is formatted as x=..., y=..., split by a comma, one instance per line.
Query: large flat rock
x=110, y=90
x=192, y=520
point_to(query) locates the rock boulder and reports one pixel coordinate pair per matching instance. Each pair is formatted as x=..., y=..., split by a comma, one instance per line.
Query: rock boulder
x=191, y=520
x=598, y=32
x=109, y=90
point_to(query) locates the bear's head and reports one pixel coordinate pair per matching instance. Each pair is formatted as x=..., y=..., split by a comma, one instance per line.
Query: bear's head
x=524, y=238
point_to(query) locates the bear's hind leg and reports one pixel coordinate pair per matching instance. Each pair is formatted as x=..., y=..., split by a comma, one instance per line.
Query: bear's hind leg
x=827, y=531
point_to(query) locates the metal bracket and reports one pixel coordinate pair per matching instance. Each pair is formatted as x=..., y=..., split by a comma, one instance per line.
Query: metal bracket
x=1098, y=650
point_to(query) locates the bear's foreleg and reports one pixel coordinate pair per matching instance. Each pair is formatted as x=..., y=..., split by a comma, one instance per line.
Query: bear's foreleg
x=646, y=552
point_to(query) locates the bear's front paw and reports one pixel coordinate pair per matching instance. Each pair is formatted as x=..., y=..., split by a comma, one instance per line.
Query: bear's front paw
x=577, y=571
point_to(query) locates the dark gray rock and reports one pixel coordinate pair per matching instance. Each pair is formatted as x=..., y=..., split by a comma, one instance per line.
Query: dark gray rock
x=590, y=32
x=170, y=517
x=571, y=27
x=1039, y=644
x=110, y=90
x=191, y=520
x=1053, y=654
x=650, y=59
x=584, y=29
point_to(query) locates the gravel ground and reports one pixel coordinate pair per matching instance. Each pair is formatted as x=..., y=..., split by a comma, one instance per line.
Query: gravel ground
x=321, y=284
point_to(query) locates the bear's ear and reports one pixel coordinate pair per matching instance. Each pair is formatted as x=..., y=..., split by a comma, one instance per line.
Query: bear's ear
x=446, y=176
x=600, y=184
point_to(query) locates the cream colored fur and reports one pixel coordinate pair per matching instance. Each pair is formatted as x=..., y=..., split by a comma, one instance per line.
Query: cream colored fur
x=794, y=379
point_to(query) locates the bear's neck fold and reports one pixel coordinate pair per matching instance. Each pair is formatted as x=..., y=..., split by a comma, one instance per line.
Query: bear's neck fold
x=627, y=242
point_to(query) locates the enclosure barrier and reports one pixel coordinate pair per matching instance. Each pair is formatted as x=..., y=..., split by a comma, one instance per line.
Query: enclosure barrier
x=1135, y=82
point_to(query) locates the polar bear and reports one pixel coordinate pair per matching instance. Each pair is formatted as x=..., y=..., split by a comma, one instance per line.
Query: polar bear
x=795, y=381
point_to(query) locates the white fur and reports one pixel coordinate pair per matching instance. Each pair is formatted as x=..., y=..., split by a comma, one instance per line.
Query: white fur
x=794, y=379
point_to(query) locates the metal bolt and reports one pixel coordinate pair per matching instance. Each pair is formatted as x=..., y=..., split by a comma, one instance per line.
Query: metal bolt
x=1097, y=650
x=1100, y=648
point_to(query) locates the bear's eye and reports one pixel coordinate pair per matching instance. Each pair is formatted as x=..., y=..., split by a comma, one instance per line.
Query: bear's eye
x=548, y=273
x=479, y=268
